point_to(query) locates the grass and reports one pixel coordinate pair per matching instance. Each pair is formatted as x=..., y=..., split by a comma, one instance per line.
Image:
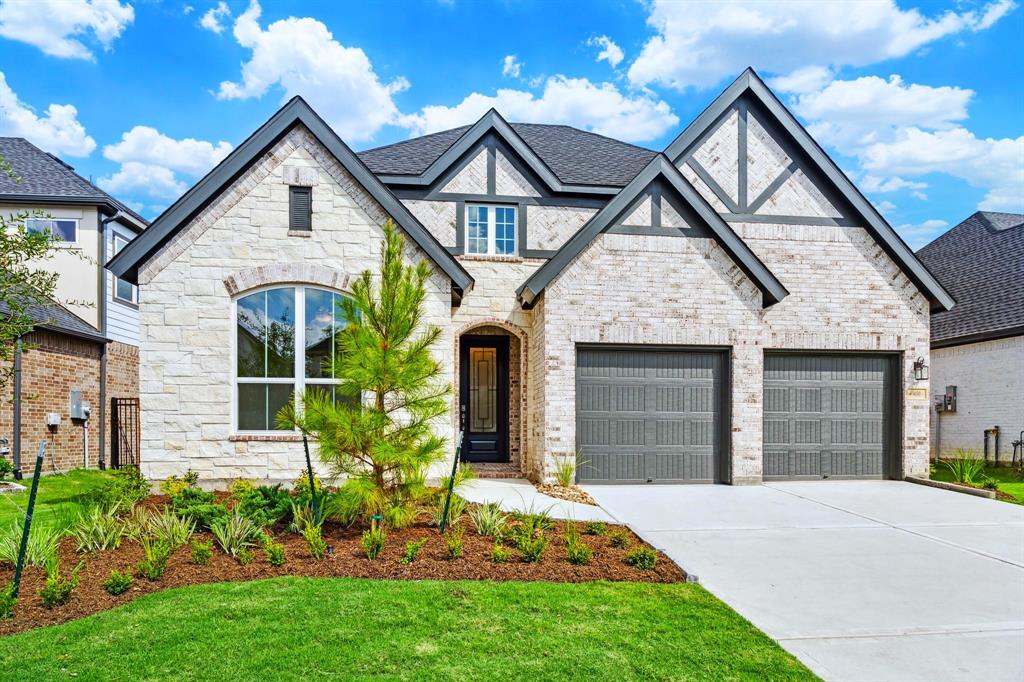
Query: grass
x=60, y=495
x=298, y=628
x=1008, y=480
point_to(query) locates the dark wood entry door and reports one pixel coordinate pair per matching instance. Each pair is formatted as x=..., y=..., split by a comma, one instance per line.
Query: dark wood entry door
x=483, y=398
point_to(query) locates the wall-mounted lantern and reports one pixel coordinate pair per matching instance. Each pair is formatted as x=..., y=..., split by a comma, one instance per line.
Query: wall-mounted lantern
x=920, y=369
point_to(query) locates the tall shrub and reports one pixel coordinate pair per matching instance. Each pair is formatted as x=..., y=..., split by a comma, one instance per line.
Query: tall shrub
x=378, y=433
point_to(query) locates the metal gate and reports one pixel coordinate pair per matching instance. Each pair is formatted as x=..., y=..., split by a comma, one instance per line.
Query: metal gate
x=125, y=437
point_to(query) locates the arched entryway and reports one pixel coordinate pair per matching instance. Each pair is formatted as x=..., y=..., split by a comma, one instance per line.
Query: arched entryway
x=490, y=396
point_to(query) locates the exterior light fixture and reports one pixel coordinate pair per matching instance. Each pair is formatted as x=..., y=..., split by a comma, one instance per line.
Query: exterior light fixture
x=920, y=369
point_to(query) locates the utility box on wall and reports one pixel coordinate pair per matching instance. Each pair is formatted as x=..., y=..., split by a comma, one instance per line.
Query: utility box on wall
x=79, y=409
x=947, y=401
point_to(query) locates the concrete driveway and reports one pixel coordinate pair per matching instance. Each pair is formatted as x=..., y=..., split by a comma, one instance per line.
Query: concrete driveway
x=861, y=580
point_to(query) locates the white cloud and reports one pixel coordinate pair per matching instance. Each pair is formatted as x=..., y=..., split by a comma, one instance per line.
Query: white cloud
x=186, y=10
x=148, y=145
x=700, y=43
x=212, y=18
x=917, y=235
x=57, y=131
x=610, y=52
x=302, y=57
x=804, y=79
x=511, y=67
x=58, y=27
x=885, y=206
x=144, y=179
x=878, y=185
x=602, y=108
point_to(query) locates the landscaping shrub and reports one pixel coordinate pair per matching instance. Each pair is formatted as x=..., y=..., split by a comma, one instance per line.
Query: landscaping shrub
x=245, y=556
x=97, y=529
x=572, y=532
x=235, y=532
x=488, y=519
x=595, y=528
x=383, y=351
x=453, y=541
x=315, y=542
x=202, y=552
x=565, y=471
x=265, y=505
x=412, y=549
x=154, y=564
x=42, y=544
x=642, y=557
x=619, y=539
x=124, y=490
x=7, y=601
x=579, y=553
x=198, y=506
x=6, y=469
x=118, y=582
x=534, y=519
x=168, y=528
x=275, y=553
x=58, y=589
x=456, y=508
x=373, y=541
x=499, y=554
x=301, y=493
x=966, y=467
x=175, y=485
x=532, y=547
x=240, y=487
x=303, y=516
x=400, y=515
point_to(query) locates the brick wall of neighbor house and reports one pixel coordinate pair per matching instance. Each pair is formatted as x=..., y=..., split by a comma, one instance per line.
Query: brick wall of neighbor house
x=702, y=298
x=239, y=242
x=989, y=377
x=52, y=366
x=122, y=379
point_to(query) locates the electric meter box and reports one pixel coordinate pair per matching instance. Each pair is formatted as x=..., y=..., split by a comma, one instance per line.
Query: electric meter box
x=79, y=409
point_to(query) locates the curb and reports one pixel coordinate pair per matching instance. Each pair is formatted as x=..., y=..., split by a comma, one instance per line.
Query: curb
x=955, y=487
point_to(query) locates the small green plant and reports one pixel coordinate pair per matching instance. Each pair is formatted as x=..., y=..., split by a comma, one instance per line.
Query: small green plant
x=199, y=506
x=172, y=486
x=595, y=528
x=202, y=552
x=234, y=533
x=373, y=541
x=990, y=484
x=579, y=553
x=301, y=491
x=400, y=515
x=643, y=558
x=455, y=510
x=245, y=556
x=118, y=582
x=169, y=528
x=532, y=547
x=533, y=518
x=965, y=466
x=265, y=505
x=499, y=554
x=126, y=488
x=7, y=601
x=154, y=564
x=619, y=539
x=412, y=549
x=98, y=529
x=315, y=542
x=453, y=541
x=565, y=471
x=58, y=589
x=275, y=553
x=240, y=487
x=42, y=544
x=6, y=468
x=303, y=515
x=572, y=532
x=488, y=519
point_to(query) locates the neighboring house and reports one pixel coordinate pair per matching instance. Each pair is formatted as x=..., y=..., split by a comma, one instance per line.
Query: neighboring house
x=89, y=342
x=978, y=347
x=729, y=310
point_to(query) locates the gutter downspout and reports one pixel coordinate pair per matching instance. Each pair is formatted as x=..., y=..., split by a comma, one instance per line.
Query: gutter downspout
x=16, y=443
x=102, y=439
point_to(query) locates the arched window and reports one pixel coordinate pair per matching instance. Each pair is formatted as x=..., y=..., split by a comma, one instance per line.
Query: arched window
x=277, y=357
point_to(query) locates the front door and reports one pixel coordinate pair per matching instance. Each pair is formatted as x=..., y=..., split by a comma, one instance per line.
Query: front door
x=483, y=398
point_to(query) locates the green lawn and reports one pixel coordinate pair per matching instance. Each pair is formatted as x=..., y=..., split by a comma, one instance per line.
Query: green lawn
x=1008, y=480
x=60, y=495
x=297, y=628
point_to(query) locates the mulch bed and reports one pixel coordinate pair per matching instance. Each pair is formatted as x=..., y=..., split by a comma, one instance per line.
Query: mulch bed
x=347, y=559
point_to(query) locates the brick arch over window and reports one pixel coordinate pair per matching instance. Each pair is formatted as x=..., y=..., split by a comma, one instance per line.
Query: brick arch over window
x=283, y=273
x=517, y=389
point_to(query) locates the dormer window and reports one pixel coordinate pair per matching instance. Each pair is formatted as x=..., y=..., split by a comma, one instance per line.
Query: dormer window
x=491, y=230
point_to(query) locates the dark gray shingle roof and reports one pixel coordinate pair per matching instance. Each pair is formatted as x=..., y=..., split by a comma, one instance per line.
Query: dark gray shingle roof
x=575, y=156
x=980, y=262
x=44, y=175
x=56, y=317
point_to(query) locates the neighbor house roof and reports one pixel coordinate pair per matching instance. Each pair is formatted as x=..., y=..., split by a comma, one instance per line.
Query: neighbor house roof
x=57, y=318
x=981, y=263
x=41, y=177
x=576, y=157
x=296, y=112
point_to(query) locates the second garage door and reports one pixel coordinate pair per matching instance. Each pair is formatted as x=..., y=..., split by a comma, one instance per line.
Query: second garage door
x=648, y=415
x=827, y=416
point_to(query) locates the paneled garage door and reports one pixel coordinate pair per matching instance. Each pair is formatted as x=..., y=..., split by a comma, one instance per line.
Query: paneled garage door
x=648, y=415
x=827, y=416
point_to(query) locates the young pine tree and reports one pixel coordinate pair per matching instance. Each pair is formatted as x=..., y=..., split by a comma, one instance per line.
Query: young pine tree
x=378, y=432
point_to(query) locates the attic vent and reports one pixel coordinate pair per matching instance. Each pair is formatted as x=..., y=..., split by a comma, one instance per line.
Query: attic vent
x=300, y=208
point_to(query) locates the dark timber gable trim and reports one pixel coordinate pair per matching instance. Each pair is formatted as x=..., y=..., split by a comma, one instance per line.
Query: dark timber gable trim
x=296, y=112
x=696, y=209
x=749, y=91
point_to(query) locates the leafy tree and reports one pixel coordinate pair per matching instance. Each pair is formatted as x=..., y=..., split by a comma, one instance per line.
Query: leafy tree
x=379, y=432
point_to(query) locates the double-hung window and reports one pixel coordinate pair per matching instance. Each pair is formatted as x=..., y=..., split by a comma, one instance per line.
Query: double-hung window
x=286, y=339
x=64, y=230
x=491, y=230
x=123, y=289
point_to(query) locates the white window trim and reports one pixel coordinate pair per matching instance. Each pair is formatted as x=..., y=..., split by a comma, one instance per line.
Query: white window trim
x=76, y=221
x=492, y=232
x=134, y=300
x=298, y=378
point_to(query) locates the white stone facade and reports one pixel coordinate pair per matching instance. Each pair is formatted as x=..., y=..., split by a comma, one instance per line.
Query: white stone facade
x=989, y=377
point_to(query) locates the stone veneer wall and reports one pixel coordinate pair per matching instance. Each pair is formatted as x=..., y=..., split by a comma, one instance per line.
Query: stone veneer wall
x=239, y=242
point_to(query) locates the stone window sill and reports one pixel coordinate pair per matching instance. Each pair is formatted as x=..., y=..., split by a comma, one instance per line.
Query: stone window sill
x=300, y=233
x=494, y=259
x=265, y=438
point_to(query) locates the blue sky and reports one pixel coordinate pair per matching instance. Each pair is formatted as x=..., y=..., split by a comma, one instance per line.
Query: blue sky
x=920, y=103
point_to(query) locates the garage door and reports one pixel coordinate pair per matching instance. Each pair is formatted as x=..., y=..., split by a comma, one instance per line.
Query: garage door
x=648, y=416
x=825, y=416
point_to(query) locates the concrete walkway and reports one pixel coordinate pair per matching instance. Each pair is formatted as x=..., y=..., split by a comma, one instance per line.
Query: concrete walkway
x=861, y=580
x=514, y=494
